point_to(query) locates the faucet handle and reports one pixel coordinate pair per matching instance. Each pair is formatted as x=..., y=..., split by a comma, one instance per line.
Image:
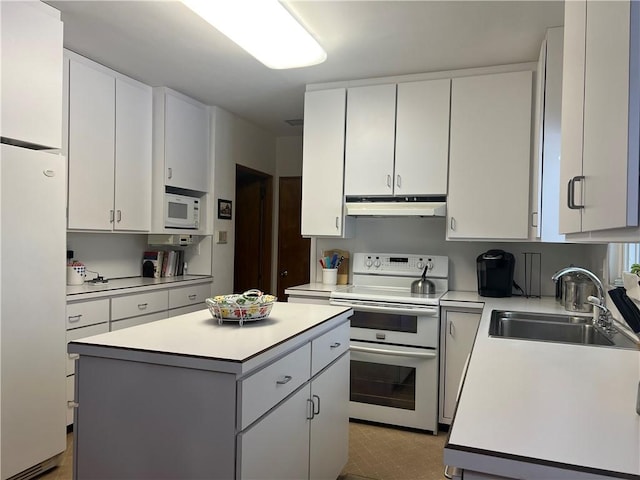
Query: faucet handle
x=594, y=301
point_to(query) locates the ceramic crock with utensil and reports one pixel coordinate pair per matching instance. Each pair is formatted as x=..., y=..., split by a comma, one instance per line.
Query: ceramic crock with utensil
x=423, y=285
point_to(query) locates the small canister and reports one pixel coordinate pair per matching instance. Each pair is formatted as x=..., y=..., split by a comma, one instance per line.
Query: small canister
x=577, y=289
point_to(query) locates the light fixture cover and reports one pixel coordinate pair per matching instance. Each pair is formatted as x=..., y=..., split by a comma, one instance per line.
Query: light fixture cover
x=264, y=28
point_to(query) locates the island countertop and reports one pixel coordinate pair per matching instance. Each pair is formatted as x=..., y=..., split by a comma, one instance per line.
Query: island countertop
x=197, y=339
x=531, y=409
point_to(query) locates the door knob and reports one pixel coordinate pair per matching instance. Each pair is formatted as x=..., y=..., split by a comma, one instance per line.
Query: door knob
x=284, y=273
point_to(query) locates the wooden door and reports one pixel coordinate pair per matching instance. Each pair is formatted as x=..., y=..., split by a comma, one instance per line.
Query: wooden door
x=254, y=212
x=293, y=249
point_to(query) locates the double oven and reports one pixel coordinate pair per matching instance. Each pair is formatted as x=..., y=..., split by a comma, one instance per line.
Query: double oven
x=394, y=339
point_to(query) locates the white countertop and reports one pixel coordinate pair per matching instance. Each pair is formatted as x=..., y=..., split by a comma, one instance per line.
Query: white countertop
x=199, y=336
x=89, y=290
x=554, y=406
x=315, y=289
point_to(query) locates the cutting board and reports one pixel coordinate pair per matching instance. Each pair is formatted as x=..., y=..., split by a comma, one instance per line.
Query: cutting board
x=343, y=269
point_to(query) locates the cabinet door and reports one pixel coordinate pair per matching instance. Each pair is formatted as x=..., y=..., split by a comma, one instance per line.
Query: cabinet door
x=422, y=138
x=371, y=117
x=490, y=154
x=459, y=333
x=31, y=73
x=575, y=16
x=329, y=439
x=277, y=447
x=132, y=157
x=186, y=144
x=610, y=144
x=91, y=147
x=323, y=162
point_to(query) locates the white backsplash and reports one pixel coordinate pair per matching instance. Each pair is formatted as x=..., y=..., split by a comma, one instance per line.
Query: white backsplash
x=427, y=235
x=113, y=255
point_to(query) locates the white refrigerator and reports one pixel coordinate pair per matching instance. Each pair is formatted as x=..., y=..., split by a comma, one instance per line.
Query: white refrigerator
x=32, y=304
x=32, y=241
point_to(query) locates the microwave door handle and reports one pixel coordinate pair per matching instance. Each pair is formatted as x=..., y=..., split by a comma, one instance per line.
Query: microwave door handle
x=385, y=351
x=419, y=311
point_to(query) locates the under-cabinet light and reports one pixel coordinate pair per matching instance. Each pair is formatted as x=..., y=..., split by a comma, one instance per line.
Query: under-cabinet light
x=264, y=28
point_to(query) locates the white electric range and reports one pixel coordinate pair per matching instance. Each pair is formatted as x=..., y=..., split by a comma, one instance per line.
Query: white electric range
x=394, y=338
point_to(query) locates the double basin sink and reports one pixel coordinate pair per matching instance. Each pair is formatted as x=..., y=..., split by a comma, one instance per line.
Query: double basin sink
x=572, y=329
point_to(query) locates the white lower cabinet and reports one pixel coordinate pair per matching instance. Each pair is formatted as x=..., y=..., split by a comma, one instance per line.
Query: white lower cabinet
x=329, y=438
x=139, y=320
x=457, y=333
x=277, y=447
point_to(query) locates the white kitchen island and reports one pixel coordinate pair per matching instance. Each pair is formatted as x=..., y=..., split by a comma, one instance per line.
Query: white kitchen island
x=543, y=410
x=189, y=398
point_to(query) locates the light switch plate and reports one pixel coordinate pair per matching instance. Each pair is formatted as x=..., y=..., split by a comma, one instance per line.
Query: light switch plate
x=221, y=236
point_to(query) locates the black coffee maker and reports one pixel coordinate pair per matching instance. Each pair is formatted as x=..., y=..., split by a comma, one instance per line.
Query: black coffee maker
x=495, y=273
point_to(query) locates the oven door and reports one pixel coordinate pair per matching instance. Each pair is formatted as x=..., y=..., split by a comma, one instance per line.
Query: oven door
x=398, y=324
x=395, y=385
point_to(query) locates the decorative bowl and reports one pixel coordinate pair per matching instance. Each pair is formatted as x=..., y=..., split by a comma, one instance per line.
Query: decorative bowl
x=244, y=307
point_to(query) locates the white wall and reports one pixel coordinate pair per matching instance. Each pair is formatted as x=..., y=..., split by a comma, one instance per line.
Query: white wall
x=427, y=235
x=234, y=141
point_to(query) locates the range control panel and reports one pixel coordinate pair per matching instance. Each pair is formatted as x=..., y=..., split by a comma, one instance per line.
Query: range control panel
x=400, y=264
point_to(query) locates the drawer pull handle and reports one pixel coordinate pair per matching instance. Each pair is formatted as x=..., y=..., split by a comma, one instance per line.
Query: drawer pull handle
x=75, y=318
x=335, y=345
x=314, y=405
x=142, y=306
x=286, y=379
x=192, y=297
x=72, y=404
x=74, y=356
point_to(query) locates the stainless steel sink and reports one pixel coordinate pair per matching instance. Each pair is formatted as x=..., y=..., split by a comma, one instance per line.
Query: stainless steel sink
x=554, y=328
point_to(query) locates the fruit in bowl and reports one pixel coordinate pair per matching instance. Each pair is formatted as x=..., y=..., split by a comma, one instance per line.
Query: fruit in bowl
x=250, y=305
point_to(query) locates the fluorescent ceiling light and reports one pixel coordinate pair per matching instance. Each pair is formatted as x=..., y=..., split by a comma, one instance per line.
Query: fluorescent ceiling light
x=264, y=28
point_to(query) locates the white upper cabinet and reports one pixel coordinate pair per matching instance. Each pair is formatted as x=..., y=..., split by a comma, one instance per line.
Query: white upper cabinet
x=397, y=142
x=371, y=118
x=545, y=180
x=31, y=58
x=490, y=155
x=422, y=138
x=109, y=149
x=133, y=156
x=600, y=116
x=323, y=163
x=182, y=127
x=91, y=147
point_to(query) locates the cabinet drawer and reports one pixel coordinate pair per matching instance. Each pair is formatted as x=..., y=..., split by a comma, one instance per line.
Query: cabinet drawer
x=329, y=346
x=264, y=389
x=82, y=314
x=194, y=294
x=140, y=304
x=132, y=322
x=77, y=333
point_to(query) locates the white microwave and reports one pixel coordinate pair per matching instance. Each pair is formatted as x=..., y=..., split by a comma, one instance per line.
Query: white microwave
x=181, y=211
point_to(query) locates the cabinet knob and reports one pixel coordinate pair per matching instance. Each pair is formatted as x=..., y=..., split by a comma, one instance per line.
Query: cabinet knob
x=169, y=172
x=119, y=215
x=284, y=273
x=193, y=297
x=534, y=219
x=74, y=318
x=337, y=223
x=316, y=412
x=398, y=181
x=142, y=306
x=389, y=181
x=111, y=215
x=571, y=192
x=74, y=356
x=452, y=223
x=335, y=345
x=72, y=404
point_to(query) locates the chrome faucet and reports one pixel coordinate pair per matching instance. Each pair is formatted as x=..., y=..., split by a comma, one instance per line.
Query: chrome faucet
x=604, y=316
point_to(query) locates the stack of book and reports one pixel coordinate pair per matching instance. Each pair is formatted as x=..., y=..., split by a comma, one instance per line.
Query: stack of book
x=166, y=263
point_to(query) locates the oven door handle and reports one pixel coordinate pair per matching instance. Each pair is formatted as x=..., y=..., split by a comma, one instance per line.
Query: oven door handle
x=419, y=312
x=384, y=351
